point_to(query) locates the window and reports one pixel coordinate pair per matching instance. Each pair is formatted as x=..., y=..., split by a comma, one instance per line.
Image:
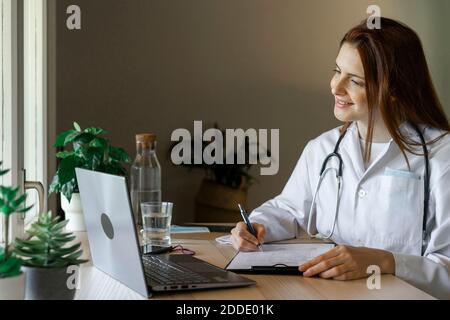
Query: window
x=23, y=99
x=6, y=95
x=34, y=100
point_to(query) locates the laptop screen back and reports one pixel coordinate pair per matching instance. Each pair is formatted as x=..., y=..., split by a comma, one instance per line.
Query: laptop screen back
x=110, y=227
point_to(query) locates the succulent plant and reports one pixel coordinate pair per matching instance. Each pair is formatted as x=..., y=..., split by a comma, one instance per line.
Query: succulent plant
x=9, y=267
x=49, y=246
x=11, y=201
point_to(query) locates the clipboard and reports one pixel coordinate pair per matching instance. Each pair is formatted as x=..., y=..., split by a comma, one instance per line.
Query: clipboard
x=274, y=269
x=276, y=258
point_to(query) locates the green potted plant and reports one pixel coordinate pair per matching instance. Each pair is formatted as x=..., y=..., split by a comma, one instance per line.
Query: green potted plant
x=12, y=280
x=224, y=185
x=83, y=149
x=46, y=258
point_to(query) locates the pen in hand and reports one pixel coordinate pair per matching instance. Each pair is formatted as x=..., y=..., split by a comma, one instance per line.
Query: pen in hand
x=249, y=225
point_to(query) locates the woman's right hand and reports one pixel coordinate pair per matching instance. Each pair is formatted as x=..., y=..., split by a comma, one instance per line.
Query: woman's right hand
x=243, y=240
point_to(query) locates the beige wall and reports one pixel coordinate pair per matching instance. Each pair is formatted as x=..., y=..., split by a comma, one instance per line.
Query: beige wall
x=159, y=65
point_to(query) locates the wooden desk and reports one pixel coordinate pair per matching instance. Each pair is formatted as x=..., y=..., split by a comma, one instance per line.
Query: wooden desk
x=97, y=285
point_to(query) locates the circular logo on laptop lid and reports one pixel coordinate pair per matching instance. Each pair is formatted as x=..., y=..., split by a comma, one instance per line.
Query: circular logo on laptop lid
x=107, y=226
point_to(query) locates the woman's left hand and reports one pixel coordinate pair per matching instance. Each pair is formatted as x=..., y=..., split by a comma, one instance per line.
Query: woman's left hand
x=346, y=263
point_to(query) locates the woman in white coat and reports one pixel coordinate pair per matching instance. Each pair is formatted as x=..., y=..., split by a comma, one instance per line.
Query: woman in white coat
x=385, y=97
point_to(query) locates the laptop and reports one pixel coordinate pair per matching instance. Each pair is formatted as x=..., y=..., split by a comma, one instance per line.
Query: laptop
x=115, y=247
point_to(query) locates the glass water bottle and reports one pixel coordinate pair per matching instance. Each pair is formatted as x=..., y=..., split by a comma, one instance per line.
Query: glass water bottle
x=145, y=176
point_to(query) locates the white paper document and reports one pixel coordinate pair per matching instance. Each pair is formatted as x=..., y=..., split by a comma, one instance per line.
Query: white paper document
x=224, y=239
x=291, y=255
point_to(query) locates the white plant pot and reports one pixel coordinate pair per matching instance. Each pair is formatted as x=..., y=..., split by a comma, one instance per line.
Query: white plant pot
x=74, y=213
x=13, y=288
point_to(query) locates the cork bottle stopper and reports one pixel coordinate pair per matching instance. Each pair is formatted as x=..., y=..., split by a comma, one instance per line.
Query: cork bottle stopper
x=146, y=138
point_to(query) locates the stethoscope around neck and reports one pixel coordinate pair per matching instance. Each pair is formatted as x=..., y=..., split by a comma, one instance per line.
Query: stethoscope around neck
x=323, y=172
x=338, y=172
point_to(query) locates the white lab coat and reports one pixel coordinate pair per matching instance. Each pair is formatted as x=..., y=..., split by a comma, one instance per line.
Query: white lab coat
x=381, y=207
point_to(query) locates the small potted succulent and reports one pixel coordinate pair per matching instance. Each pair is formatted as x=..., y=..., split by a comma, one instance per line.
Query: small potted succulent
x=46, y=259
x=83, y=148
x=12, y=280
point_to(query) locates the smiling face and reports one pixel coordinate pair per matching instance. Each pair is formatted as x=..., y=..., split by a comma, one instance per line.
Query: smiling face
x=348, y=86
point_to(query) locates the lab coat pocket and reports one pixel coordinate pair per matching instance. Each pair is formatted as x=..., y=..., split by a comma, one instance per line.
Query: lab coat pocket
x=398, y=218
x=401, y=173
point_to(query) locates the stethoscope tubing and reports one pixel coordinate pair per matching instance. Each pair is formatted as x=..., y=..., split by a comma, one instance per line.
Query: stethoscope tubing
x=324, y=170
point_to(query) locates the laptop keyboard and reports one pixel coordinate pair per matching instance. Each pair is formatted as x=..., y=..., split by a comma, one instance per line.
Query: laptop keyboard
x=165, y=272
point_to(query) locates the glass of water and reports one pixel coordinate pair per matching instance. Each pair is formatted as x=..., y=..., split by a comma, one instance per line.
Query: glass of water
x=156, y=218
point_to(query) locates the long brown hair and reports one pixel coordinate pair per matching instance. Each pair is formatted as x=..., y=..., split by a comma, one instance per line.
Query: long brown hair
x=398, y=81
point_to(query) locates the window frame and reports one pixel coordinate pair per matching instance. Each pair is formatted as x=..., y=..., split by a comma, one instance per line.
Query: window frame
x=35, y=78
x=13, y=152
x=11, y=31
